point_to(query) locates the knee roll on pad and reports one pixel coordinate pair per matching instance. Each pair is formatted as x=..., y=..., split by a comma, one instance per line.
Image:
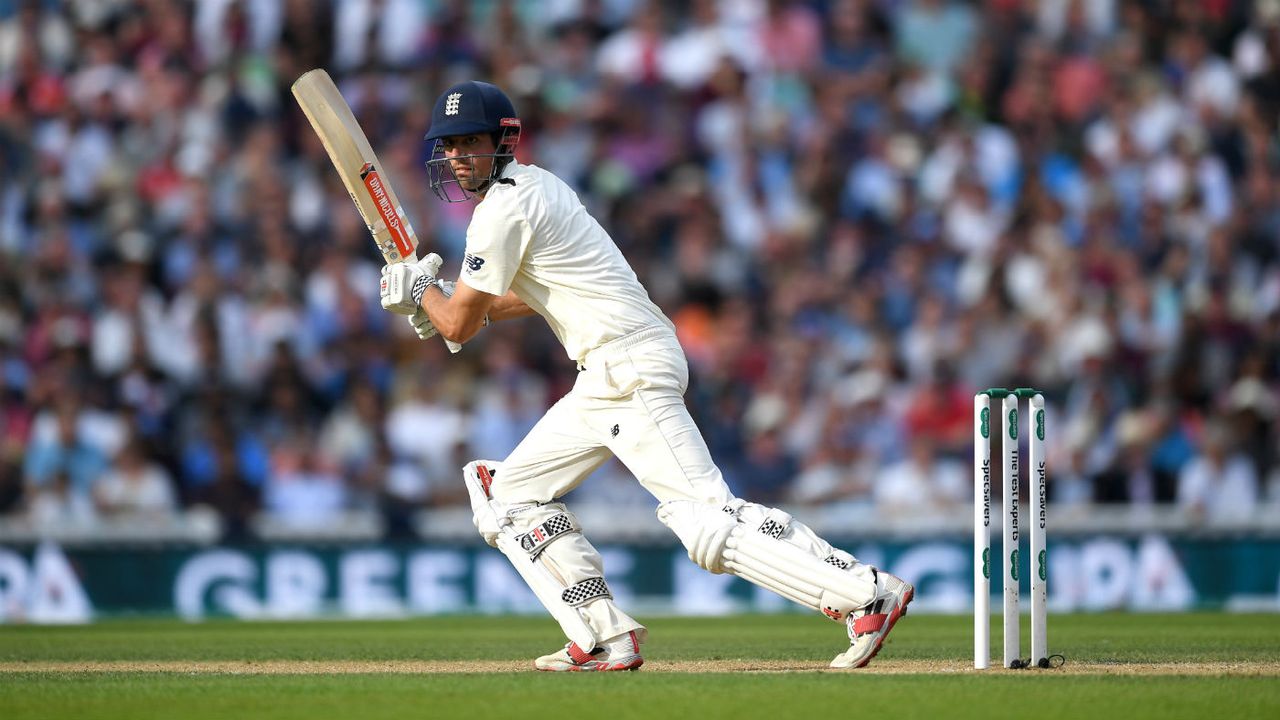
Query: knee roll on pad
x=487, y=514
x=704, y=529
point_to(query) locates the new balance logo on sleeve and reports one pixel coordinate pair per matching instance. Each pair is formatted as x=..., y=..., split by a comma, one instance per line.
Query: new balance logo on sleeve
x=473, y=262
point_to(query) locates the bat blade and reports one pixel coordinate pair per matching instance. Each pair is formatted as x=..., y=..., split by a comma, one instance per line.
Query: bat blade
x=364, y=177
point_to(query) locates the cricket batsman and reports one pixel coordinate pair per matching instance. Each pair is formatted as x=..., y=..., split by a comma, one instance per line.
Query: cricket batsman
x=532, y=248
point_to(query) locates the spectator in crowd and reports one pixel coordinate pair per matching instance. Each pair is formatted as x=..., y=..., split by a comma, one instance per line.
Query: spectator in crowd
x=57, y=504
x=61, y=447
x=1131, y=477
x=226, y=490
x=922, y=484
x=351, y=433
x=135, y=487
x=767, y=468
x=856, y=214
x=304, y=488
x=838, y=471
x=1218, y=484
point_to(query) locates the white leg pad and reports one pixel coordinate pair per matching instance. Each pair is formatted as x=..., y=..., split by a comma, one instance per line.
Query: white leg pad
x=546, y=546
x=797, y=574
x=766, y=547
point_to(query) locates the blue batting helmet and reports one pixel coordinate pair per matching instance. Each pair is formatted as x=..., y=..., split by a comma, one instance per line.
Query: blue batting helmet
x=470, y=108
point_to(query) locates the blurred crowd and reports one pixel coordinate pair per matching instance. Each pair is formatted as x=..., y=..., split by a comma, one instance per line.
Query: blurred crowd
x=857, y=212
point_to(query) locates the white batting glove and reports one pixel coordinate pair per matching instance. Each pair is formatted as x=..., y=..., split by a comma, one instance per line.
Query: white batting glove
x=421, y=322
x=422, y=325
x=403, y=284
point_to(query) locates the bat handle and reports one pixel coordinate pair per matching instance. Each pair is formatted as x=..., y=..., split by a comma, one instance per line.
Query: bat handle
x=453, y=346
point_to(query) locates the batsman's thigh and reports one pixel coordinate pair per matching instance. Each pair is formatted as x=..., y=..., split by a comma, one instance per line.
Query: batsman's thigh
x=660, y=444
x=554, y=458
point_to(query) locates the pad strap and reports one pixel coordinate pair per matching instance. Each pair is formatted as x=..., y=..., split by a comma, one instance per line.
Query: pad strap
x=772, y=528
x=775, y=523
x=537, y=539
x=586, y=591
x=840, y=559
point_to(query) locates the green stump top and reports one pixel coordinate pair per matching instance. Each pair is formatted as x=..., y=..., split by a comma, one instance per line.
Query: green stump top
x=1023, y=392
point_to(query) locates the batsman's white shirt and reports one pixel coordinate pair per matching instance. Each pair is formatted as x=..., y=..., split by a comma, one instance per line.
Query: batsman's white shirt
x=535, y=238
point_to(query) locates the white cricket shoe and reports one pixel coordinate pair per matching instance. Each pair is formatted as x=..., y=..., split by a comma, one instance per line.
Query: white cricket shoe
x=870, y=626
x=619, y=653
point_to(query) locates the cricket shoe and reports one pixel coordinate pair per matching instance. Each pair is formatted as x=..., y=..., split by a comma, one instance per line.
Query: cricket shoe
x=870, y=626
x=620, y=653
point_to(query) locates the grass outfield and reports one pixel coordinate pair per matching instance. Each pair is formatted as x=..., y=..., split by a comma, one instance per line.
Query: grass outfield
x=1131, y=666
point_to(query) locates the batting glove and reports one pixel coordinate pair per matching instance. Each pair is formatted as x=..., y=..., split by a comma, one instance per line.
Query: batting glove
x=419, y=320
x=403, y=284
x=422, y=325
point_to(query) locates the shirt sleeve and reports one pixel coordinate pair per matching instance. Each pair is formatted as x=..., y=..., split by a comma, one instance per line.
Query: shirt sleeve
x=496, y=243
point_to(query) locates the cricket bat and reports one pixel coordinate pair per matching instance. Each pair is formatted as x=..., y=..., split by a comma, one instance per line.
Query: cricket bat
x=358, y=166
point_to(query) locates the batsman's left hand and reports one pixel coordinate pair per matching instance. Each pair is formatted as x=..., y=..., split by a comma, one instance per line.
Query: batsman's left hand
x=403, y=283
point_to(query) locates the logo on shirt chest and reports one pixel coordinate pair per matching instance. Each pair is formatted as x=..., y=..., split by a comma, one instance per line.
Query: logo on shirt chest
x=473, y=262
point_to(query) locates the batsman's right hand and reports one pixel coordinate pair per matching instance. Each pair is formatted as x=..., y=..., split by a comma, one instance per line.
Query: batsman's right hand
x=422, y=325
x=421, y=322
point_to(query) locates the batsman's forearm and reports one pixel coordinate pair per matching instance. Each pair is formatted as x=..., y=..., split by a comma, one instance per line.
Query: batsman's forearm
x=508, y=307
x=460, y=317
x=451, y=319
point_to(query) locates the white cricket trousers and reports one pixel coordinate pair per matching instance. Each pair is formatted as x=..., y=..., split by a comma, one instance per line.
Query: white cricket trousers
x=628, y=401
